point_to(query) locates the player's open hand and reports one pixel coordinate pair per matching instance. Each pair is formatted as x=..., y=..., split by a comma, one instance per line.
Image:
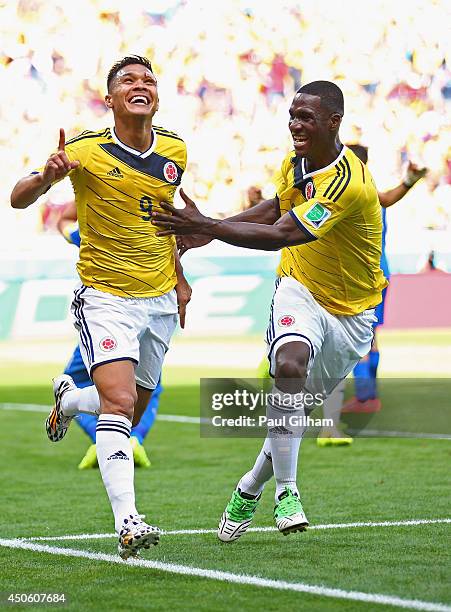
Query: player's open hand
x=58, y=165
x=181, y=221
x=414, y=173
x=185, y=243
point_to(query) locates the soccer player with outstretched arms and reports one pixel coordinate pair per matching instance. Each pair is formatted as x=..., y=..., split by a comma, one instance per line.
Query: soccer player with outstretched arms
x=326, y=218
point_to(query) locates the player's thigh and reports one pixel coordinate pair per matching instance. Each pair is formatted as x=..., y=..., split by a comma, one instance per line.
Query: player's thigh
x=115, y=383
x=109, y=327
x=153, y=346
x=295, y=319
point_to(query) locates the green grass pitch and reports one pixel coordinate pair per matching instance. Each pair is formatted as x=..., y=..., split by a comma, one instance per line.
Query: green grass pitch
x=375, y=480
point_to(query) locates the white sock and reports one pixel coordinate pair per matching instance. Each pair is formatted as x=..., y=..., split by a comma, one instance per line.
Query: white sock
x=81, y=400
x=254, y=481
x=334, y=403
x=285, y=438
x=115, y=458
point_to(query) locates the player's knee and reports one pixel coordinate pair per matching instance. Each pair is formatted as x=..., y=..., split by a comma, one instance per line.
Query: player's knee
x=292, y=363
x=121, y=402
x=290, y=369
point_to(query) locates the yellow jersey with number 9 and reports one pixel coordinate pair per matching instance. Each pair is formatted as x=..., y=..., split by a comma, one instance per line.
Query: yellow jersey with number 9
x=116, y=189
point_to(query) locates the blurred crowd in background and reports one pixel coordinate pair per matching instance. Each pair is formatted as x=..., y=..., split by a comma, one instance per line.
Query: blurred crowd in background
x=227, y=72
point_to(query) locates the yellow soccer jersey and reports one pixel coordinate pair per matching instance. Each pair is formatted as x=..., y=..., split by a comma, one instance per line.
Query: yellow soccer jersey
x=339, y=208
x=116, y=188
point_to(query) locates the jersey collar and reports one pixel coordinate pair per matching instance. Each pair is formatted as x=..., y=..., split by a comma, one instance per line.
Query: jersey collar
x=141, y=154
x=304, y=176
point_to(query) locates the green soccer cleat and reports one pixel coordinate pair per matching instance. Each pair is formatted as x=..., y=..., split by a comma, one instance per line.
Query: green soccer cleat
x=333, y=437
x=139, y=453
x=237, y=517
x=89, y=461
x=289, y=514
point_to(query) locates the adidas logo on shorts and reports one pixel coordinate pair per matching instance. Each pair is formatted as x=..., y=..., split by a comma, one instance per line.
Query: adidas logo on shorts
x=119, y=455
x=115, y=172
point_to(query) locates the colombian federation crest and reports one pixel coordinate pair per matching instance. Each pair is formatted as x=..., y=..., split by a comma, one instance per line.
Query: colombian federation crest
x=286, y=321
x=309, y=190
x=170, y=172
x=108, y=343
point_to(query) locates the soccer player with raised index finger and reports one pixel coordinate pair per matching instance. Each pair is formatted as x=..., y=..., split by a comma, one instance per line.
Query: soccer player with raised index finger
x=126, y=307
x=326, y=218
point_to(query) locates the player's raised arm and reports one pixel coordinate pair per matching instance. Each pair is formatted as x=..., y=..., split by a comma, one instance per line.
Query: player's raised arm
x=28, y=189
x=188, y=220
x=413, y=175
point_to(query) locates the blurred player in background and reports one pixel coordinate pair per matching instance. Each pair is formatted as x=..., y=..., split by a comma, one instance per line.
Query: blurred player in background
x=366, y=396
x=254, y=196
x=67, y=225
x=132, y=290
x=326, y=218
x=366, y=399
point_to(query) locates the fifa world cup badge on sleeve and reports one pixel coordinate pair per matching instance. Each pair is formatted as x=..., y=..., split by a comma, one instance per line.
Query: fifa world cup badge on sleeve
x=317, y=214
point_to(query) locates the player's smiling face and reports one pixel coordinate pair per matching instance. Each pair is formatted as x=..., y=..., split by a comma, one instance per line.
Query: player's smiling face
x=309, y=125
x=133, y=92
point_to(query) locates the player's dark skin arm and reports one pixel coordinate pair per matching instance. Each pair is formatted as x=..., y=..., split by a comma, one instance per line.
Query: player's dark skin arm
x=267, y=213
x=285, y=232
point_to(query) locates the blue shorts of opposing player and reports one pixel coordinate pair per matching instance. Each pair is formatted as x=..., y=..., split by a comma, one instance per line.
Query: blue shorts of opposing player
x=365, y=372
x=76, y=369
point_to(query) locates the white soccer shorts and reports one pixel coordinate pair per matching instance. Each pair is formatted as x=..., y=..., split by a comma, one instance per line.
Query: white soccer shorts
x=114, y=328
x=336, y=343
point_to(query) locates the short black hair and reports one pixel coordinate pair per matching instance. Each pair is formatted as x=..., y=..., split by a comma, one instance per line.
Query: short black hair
x=359, y=150
x=126, y=61
x=331, y=95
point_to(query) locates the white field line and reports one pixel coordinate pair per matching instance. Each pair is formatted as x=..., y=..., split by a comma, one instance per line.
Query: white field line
x=380, y=433
x=178, y=418
x=102, y=536
x=174, y=418
x=25, y=407
x=186, y=570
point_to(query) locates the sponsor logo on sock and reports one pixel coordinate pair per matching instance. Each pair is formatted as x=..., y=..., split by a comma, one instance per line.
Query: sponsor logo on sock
x=118, y=455
x=280, y=431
